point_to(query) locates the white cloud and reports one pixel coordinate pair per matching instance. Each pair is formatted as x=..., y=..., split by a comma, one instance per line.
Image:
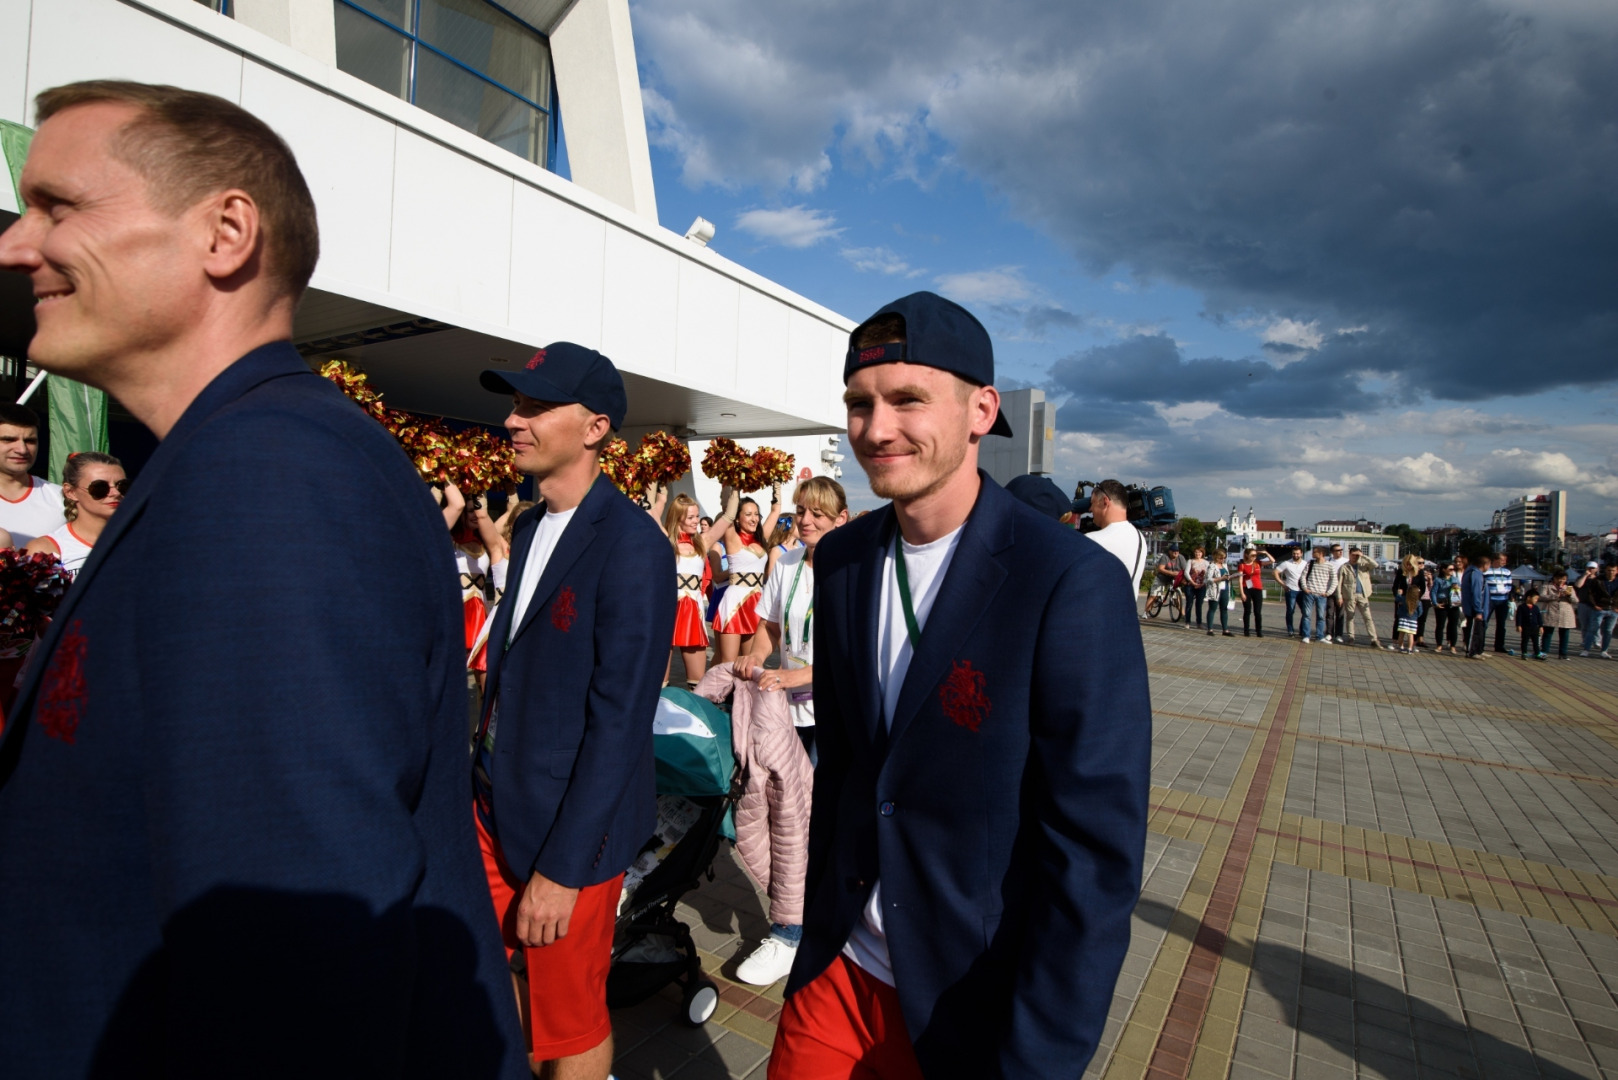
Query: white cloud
x=789, y=226
x=1188, y=412
x=1426, y=472
x=1517, y=467
x=1001, y=285
x=1304, y=335
x=1305, y=482
x=879, y=260
x=1239, y=492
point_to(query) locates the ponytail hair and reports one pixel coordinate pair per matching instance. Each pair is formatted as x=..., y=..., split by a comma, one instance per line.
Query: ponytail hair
x=74, y=469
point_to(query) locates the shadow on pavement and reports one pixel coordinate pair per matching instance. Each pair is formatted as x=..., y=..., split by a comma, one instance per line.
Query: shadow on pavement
x=1370, y=1021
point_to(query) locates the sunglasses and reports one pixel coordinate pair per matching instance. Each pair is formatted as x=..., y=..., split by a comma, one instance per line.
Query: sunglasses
x=99, y=489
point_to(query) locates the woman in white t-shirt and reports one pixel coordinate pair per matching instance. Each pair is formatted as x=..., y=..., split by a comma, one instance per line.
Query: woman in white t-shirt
x=786, y=612
x=93, y=484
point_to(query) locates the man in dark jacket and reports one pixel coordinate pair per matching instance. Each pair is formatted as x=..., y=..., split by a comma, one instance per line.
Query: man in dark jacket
x=984, y=727
x=1475, y=605
x=232, y=791
x=563, y=776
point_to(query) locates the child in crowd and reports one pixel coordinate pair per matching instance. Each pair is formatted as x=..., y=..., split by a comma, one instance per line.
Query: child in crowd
x=1404, y=627
x=1530, y=622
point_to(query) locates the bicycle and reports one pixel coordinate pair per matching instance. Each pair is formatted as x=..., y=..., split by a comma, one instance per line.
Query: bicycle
x=1157, y=597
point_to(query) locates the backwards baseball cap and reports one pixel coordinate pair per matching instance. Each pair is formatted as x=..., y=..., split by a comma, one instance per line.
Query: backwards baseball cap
x=1040, y=493
x=1592, y=565
x=938, y=333
x=564, y=373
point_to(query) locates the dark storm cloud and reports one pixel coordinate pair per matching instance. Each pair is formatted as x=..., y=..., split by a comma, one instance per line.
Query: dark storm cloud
x=1151, y=367
x=1439, y=172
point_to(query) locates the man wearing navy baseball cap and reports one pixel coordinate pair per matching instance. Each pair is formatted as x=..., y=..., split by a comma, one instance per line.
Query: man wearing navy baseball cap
x=979, y=816
x=562, y=773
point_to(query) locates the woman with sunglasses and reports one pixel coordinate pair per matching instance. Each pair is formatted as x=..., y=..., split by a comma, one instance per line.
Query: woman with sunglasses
x=93, y=484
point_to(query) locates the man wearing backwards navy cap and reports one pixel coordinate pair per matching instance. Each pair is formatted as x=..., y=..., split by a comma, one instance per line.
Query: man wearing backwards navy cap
x=979, y=815
x=562, y=777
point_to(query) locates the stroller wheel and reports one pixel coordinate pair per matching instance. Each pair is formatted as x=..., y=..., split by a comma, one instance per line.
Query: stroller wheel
x=701, y=999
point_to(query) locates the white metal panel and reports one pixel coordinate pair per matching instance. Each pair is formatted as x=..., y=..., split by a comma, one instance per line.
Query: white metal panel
x=705, y=340
x=103, y=39
x=346, y=155
x=451, y=231
x=557, y=264
x=814, y=366
x=641, y=305
x=14, y=18
x=761, y=372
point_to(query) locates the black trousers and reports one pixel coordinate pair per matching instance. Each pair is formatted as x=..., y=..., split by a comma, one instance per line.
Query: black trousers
x=1499, y=611
x=1421, y=621
x=1446, y=622
x=1476, y=631
x=1253, y=610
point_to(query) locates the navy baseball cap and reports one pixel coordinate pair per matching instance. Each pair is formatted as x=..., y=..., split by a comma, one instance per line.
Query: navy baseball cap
x=1040, y=493
x=938, y=333
x=563, y=372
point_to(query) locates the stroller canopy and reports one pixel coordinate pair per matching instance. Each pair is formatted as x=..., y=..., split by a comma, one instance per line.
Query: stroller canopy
x=691, y=741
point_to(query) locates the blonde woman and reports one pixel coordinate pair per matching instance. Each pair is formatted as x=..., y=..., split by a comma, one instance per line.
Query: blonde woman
x=682, y=521
x=93, y=484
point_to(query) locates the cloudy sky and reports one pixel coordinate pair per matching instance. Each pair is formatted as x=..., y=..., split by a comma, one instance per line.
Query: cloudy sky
x=1320, y=258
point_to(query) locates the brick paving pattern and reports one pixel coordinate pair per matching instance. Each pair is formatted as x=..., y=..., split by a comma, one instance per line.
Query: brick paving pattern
x=1361, y=864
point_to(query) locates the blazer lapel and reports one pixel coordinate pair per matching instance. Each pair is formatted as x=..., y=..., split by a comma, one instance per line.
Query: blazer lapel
x=864, y=601
x=970, y=584
x=522, y=541
x=573, y=542
x=259, y=366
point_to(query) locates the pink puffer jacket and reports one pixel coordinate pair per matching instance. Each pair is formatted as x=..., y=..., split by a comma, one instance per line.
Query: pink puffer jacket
x=772, y=820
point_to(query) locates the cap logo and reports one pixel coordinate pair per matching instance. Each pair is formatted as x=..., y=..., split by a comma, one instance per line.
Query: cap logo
x=876, y=353
x=536, y=360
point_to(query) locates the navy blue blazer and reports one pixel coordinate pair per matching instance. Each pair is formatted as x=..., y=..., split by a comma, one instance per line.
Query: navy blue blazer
x=1005, y=812
x=234, y=832
x=575, y=795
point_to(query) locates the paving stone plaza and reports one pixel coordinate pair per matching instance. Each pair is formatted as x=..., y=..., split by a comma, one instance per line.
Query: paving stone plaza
x=1360, y=864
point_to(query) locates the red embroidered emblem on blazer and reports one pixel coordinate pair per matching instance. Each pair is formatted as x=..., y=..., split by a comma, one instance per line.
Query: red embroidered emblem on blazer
x=962, y=697
x=61, y=693
x=563, y=612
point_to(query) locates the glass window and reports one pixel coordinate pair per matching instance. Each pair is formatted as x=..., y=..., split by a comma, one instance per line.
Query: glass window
x=466, y=61
x=373, y=52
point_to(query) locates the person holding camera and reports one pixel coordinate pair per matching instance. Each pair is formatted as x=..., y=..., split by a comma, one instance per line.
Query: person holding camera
x=1109, y=508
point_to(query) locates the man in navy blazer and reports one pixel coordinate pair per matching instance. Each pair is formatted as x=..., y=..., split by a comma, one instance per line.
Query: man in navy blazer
x=563, y=778
x=233, y=831
x=985, y=729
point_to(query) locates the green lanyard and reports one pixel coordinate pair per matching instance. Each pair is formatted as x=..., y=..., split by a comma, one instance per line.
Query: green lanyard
x=904, y=591
x=786, y=609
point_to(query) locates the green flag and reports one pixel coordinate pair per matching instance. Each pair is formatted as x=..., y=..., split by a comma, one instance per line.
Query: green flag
x=76, y=415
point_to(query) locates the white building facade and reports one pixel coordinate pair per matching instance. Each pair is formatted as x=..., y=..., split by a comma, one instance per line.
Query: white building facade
x=427, y=131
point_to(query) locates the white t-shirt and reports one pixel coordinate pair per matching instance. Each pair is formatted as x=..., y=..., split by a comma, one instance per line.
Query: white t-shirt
x=925, y=567
x=546, y=534
x=1291, y=573
x=36, y=514
x=1125, y=541
x=788, y=598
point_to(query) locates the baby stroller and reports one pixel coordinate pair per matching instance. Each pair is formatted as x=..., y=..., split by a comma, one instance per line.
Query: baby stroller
x=698, y=785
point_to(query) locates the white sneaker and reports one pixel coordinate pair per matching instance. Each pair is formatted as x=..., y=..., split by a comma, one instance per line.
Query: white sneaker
x=1586, y=652
x=769, y=963
x=1605, y=655
x=1306, y=641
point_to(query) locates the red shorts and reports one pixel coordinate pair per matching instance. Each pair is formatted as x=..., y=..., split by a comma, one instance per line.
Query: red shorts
x=567, y=979
x=845, y=1025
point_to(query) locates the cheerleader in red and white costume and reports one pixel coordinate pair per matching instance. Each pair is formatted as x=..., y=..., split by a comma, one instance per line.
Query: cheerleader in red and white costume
x=93, y=484
x=682, y=523
x=737, y=617
x=481, y=555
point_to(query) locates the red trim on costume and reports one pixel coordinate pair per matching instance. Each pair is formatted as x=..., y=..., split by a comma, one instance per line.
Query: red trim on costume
x=690, y=631
x=14, y=502
x=76, y=536
x=744, y=620
x=47, y=539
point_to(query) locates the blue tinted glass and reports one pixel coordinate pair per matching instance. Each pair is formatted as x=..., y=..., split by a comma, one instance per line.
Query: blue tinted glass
x=481, y=108
x=369, y=50
x=486, y=40
x=396, y=12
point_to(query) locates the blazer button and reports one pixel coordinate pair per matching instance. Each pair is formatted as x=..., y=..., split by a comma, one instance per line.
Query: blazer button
x=886, y=809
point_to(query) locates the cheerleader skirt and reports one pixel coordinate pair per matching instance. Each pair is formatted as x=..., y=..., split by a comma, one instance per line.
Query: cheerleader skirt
x=690, y=632
x=474, y=613
x=737, y=617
